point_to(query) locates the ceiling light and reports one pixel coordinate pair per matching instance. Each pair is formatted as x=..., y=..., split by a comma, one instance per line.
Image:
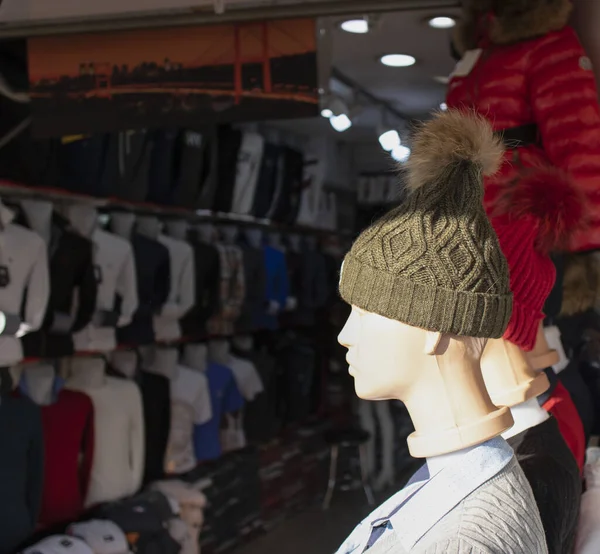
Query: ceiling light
x=326, y=113
x=401, y=153
x=356, y=26
x=340, y=122
x=397, y=60
x=443, y=22
x=443, y=106
x=389, y=140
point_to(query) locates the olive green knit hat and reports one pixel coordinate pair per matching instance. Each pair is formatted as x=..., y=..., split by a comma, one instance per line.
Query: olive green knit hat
x=434, y=262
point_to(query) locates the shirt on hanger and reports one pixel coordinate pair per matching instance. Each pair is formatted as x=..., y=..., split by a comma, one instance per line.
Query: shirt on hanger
x=248, y=169
x=225, y=398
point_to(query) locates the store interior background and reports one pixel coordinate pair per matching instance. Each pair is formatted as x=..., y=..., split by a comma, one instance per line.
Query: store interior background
x=361, y=180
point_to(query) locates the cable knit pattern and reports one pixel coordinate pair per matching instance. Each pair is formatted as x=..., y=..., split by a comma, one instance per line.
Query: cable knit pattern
x=498, y=518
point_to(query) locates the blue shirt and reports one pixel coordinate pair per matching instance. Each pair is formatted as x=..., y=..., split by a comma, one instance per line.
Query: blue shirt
x=225, y=397
x=426, y=499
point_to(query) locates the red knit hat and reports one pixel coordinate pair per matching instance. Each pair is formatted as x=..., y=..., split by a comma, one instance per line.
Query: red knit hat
x=535, y=216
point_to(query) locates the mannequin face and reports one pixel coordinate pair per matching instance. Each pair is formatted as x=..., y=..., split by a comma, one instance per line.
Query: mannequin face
x=384, y=355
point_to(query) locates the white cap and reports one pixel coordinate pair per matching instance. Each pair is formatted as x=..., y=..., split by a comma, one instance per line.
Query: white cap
x=103, y=536
x=59, y=544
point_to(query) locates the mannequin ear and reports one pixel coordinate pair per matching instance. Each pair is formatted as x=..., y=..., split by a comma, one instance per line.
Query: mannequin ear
x=432, y=341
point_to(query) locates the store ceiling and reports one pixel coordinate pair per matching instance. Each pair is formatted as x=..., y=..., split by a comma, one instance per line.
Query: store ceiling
x=412, y=91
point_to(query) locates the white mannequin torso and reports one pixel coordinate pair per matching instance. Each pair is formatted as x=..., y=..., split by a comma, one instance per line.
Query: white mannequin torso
x=125, y=361
x=195, y=356
x=40, y=383
x=177, y=229
x=526, y=415
x=39, y=216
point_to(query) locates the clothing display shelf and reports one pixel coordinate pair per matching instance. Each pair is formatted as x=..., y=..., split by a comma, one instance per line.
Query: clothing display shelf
x=10, y=189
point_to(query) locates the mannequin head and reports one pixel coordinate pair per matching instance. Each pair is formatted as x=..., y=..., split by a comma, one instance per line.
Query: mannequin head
x=508, y=375
x=121, y=223
x=542, y=356
x=436, y=375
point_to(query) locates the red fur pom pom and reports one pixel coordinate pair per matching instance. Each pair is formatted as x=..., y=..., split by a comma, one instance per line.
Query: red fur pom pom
x=547, y=196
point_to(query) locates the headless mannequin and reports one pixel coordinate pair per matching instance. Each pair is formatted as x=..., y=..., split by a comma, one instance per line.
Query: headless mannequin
x=229, y=234
x=83, y=218
x=178, y=229
x=126, y=362
x=195, y=356
x=39, y=216
x=542, y=356
x=122, y=224
x=254, y=237
x=206, y=233
x=219, y=352
x=441, y=383
x=150, y=227
x=148, y=355
x=512, y=382
x=165, y=363
x=40, y=383
x=244, y=343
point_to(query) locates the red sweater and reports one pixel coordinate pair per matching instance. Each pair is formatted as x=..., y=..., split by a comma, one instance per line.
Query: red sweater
x=68, y=451
x=561, y=406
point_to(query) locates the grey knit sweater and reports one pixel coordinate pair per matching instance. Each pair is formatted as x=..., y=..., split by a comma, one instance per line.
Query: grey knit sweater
x=500, y=517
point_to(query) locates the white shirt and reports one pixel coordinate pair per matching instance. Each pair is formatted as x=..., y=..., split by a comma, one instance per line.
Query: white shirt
x=248, y=169
x=118, y=463
x=246, y=376
x=24, y=272
x=182, y=295
x=115, y=271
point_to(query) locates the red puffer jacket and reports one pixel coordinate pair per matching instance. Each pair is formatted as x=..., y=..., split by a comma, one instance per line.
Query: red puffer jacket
x=533, y=70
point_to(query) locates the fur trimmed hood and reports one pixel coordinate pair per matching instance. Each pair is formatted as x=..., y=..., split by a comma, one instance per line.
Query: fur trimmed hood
x=581, y=284
x=508, y=21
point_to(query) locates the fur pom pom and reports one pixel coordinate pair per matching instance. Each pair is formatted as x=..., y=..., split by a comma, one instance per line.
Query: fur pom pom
x=547, y=196
x=450, y=138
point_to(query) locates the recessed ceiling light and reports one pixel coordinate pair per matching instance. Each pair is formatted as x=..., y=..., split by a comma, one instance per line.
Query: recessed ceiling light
x=326, y=113
x=443, y=106
x=401, y=153
x=442, y=22
x=397, y=60
x=340, y=122
x=389, y=140
x=356, y=26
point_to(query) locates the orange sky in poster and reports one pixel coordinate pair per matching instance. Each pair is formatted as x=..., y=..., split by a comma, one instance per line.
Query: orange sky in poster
x=193, y=46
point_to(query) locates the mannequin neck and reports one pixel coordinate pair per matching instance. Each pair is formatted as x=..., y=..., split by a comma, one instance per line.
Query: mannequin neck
x=526, y=415
x=165, y=363
x=177, y=229
x=148, y=355
x=254, y=237
x=229, y=234
x=206, y=233
x=88, y=373
x=542, y=356
x=436, y=463
x=148, y=226
x=219, y=352
x=452, y=382
x=122, y=224
x=39, y=381
x=275, y=241
x=509, y=377
x=84, y=219
x=39, y=216
x=195, y=357
x=126, y=362
x=244, y=343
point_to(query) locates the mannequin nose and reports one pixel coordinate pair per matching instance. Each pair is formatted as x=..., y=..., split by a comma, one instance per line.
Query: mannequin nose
x=347, y=335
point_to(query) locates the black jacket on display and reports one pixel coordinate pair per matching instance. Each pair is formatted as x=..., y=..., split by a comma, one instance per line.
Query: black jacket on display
x=72, y=282
x=207, y=272
x=229, y=142
x=127, y=165
x=153, y=270
x=156, y=398
x=267, y=180
x=192, y=166
x=555, y=480
x=82, y=163
x=288, y=190
x=21, y=470
x=255, y=298
x=162, y=181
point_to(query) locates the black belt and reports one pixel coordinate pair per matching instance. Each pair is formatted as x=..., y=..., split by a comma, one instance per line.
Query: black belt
x=523, y=135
